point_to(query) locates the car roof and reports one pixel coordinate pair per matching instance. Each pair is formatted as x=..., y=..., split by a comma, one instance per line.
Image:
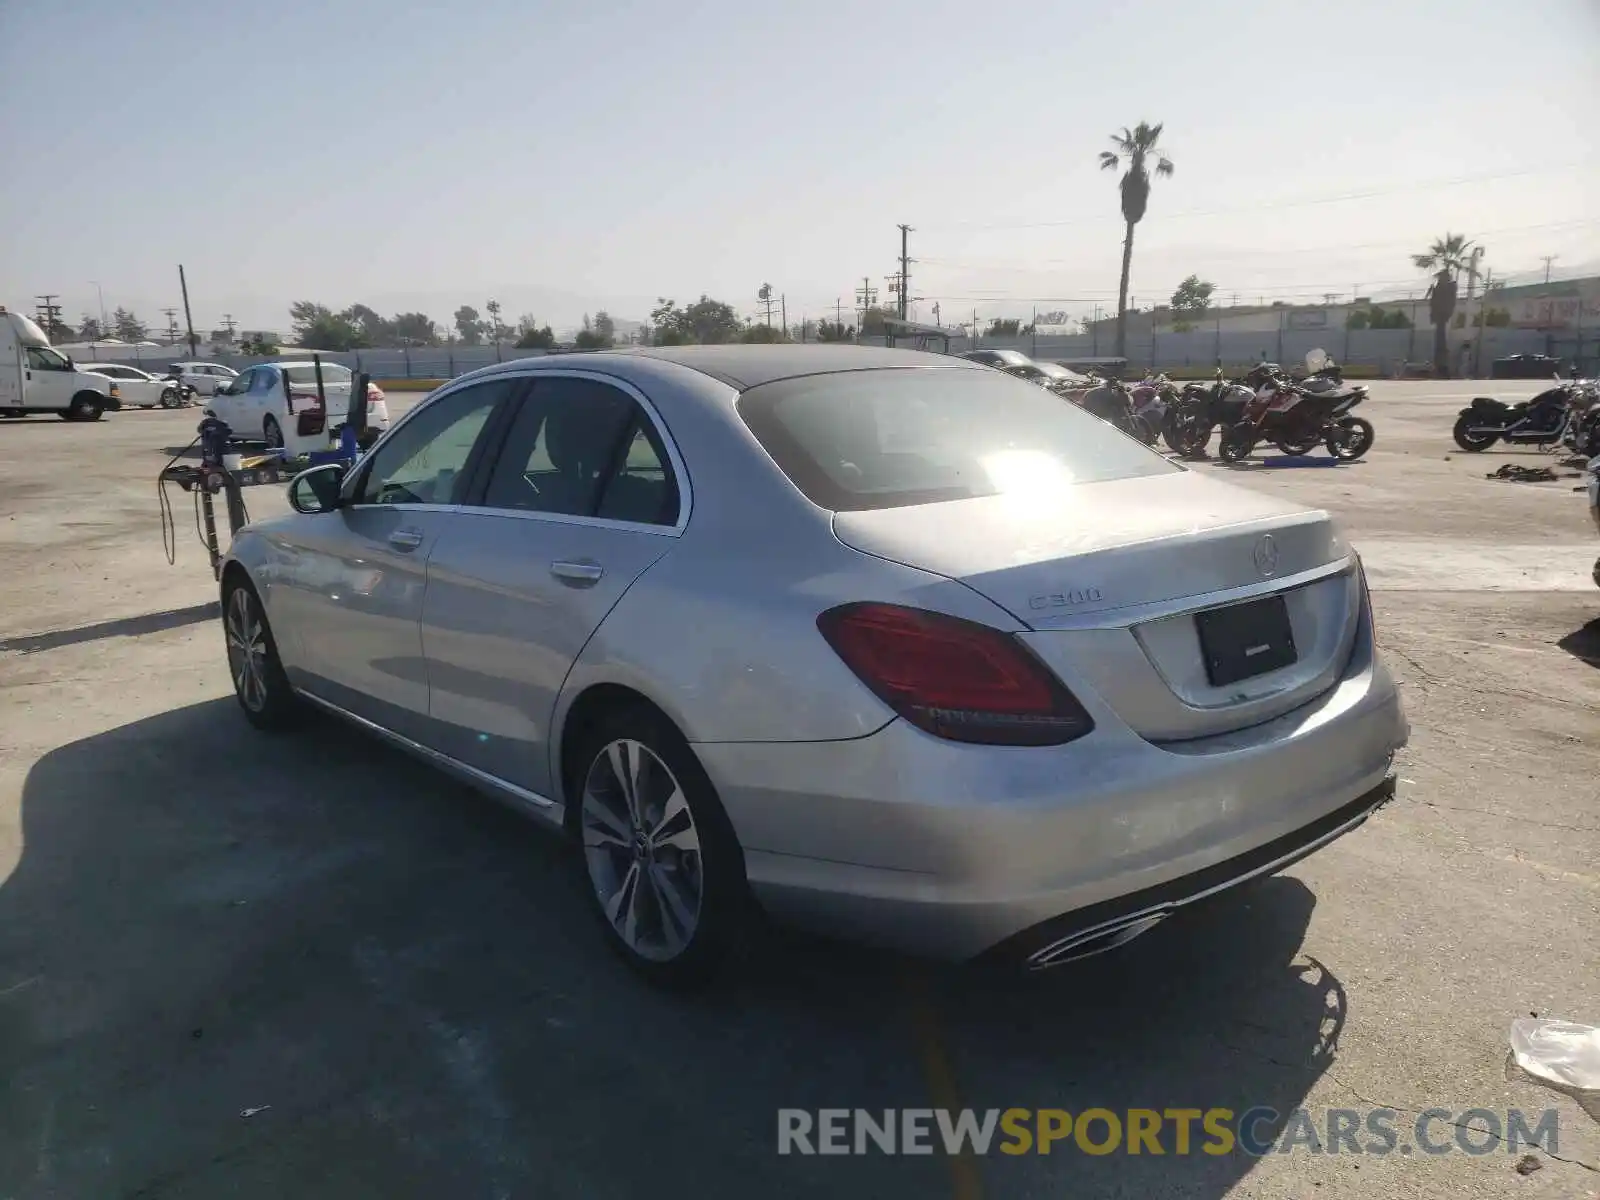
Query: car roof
x=748, y=366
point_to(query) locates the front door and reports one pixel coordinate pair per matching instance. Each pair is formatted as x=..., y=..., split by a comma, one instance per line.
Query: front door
x=227, y=403
x=582, y=499
x=353, y=597
x=50, y=379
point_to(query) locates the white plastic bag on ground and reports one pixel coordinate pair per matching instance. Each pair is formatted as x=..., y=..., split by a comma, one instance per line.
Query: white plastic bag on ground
x=1561, y=1055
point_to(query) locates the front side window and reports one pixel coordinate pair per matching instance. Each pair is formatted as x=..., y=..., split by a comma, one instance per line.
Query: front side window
x=897, y=437
x=424, y=461
x=262, y=379
x=42, y=358
x=583, y=448
x=237, y=387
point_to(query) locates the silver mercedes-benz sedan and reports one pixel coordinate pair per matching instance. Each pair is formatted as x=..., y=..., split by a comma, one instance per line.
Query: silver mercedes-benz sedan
x=884, y=643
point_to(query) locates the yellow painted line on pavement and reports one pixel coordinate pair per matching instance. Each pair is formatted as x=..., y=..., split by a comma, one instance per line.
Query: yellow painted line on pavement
x=940, y=1078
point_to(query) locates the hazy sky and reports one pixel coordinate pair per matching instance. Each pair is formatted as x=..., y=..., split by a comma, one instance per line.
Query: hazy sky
x=565, y=157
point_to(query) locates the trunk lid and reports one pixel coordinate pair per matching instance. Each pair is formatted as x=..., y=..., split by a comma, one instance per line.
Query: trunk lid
x=1109, y=577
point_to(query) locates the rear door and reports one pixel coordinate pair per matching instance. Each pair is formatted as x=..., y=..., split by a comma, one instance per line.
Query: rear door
x=585, y=495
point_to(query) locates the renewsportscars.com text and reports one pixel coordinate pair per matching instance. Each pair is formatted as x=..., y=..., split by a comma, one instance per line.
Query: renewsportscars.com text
x=1176, y=1131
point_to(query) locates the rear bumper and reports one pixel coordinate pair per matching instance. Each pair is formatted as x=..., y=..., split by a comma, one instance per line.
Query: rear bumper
x=953, y=851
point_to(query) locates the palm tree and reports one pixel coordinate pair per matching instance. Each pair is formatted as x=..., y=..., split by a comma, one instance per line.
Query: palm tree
x=1136, y=147
x=1447, y=258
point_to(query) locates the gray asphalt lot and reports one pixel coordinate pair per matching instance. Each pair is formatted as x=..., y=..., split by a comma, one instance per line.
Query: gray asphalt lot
x=254, y=967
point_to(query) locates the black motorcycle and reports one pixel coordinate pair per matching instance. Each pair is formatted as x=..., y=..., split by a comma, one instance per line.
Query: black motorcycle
x=1111, y=401
x=175, y=393
x=1199, y=409
x=1543, y=421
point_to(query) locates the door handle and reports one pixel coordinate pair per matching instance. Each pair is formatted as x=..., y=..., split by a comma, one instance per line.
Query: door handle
x=405, y=539
x=583, y=573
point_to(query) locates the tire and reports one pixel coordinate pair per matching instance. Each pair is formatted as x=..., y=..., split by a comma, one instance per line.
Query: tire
x=272, y=433
x=1236, y=445
x=668, y=890
x=259, y=683
x=1350, y=438
x=1172, y=427
x=1141, y=429
x=85, y=406
x=171, y=399
x=1474, y=442
x=9, y=412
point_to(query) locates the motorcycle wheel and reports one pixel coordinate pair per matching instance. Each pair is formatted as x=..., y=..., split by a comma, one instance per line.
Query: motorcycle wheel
x=1139, y=427
x=1350, y=438
x=1236, y=445
x=1174, y=426
x=1468, y=440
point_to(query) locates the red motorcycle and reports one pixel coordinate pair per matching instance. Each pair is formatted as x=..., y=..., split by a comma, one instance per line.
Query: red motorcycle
x=1297, y=416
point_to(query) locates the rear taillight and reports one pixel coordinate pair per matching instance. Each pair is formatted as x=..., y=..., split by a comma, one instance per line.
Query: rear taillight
x=954, y=678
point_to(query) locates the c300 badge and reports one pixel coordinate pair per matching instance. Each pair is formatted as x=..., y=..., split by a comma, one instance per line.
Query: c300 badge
x=1068, y=599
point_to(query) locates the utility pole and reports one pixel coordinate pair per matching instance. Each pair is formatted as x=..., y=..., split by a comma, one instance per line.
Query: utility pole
x=905, y=271
x=838, y=313
x=975, y=334
x=867, y=295
x=188, y=317
x=1472, y=270
x=230, y=325
x=171, y=314
x=1483, y=322
x=48, y=312
x=101, y=294
x=1547, y=259
x=935, y=312
x=783, y=307
x=1034, y=329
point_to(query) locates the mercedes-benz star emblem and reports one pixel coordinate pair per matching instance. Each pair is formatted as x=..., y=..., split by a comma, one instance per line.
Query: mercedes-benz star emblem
x=1266, y=554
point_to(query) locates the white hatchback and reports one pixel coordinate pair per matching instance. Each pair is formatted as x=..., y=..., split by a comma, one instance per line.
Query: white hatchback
x=279, y=404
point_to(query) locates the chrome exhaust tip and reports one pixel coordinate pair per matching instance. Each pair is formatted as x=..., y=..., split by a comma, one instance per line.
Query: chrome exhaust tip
x=1098, y=939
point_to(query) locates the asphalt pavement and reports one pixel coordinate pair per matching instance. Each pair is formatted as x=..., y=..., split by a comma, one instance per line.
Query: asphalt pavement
x=262, y=967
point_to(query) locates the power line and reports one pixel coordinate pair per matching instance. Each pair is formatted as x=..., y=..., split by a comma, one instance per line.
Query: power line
x=1338, y=198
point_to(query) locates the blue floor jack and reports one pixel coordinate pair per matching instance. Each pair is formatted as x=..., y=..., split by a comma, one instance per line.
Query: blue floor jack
x=214, y=475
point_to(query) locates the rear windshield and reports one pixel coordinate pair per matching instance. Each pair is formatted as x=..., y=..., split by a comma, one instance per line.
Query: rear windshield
x=897, y=437
x=306, y=376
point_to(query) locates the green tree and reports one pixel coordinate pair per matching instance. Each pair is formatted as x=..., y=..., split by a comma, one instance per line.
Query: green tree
x=468, y=325
x=317, y=327
x=374, y=330
x=605, y=328
x=762, y=334
x=1136, y=148
x=128, y=327
x=533, y=336
x=706, y=321
x=1004, y=327
x=414, y=329
x=89, y=329
x=835, y=331
x=1446, y=258
x=1193, y=297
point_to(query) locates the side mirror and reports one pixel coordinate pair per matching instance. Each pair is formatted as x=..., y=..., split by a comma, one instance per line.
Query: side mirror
x=317, y=490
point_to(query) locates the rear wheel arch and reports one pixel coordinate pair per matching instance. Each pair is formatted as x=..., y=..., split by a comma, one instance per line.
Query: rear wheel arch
x=592, y=706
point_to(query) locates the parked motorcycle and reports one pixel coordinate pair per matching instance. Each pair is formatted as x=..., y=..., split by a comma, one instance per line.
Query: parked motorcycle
x=175, y=393
x=1199, y=409
x=1549, y=419
x=1593, y=472
x=1297, y=416
x=1111, y=401
x=1152, y=396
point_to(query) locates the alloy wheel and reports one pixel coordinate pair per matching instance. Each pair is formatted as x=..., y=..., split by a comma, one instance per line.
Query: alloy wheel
x=247, y=650
x=642, y=850
x=273, y=434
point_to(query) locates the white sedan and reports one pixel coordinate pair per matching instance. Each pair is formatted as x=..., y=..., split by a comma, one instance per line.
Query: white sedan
x=279, y=404
x=139, y=388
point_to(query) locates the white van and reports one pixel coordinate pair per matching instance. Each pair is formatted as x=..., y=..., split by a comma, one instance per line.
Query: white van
x=34, y=378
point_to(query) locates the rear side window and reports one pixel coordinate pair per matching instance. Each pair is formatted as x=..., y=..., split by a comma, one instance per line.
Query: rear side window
x=923, y=435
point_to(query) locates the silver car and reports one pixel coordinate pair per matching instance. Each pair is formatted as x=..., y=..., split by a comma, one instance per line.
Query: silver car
x=884, y=643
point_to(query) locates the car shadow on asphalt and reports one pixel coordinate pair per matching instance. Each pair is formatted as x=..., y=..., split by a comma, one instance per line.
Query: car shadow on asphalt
x=1584, y=643
x=258, y=966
